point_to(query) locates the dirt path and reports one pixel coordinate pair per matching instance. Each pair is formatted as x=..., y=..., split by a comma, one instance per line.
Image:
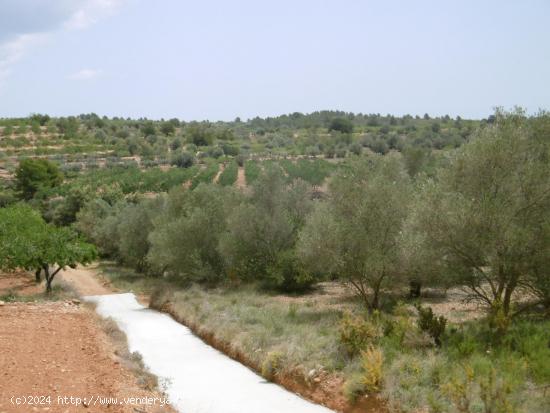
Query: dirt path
x=220, y=171
x=57, y=350
x=241, y=178
x=85, y=280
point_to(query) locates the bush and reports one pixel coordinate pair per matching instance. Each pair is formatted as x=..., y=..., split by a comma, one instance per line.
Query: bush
x=372, y=360
x=272, y=364
x=356, y=333
x=429, y=323
x=229, y=174
x=183, y=160
x=354, y=387
x=342, y=125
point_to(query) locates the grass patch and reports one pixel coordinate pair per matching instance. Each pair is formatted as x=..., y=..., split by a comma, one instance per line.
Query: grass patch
x=379, y=352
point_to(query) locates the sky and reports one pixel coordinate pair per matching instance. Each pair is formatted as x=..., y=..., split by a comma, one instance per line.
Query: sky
x=219, y=59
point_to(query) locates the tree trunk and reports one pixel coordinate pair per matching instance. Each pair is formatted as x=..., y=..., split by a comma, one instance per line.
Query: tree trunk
x=415, y=288
x=48, y=279
x=37, y=276
x=375, y=299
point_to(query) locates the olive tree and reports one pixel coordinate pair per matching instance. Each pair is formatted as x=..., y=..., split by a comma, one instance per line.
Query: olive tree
x=263, y=230
x=487, y=215
x=135, y=222
x=355, y=234
x=185, y=235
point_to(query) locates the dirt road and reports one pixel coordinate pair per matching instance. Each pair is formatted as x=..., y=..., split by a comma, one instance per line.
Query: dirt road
x=85, y=281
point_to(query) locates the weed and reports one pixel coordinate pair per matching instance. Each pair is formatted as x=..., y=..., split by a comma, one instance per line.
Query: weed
x=357, y=332
x=372, y=360
x=354, y=387
x=272, y=364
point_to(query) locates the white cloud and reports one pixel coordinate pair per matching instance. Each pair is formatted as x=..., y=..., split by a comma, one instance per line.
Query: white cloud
x=92, y=11
x=12, y=51
x=64, y=14
x=85, y=74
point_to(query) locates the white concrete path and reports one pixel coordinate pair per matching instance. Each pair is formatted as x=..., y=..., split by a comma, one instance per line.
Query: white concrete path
x=197, y=377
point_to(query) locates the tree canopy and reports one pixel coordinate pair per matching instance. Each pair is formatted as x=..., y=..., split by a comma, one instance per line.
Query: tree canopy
x=33, y=175
x=28, y=242
x=487, y=214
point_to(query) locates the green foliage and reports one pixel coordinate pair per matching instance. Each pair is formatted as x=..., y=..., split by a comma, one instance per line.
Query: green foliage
x=314, y=172
x=199, y=135
x=183, y=160
x=135, y=223
x=343, y=125
x=355, y=235
x=357, y=333
x=206, y=175
x=186, y=232
x=251, y=171
x=229, y=174
x=33, y=175
x=485, y=217
x=262, y=233
x=26, y=241
x=431, y=324
x=130, y=179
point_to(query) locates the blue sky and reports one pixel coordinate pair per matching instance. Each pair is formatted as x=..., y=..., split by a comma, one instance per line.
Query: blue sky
x=216, y=60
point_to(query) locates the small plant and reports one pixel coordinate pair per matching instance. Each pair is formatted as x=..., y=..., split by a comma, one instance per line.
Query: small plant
x=495, y=394
x=431, y=324
x=292, y=311
x=354, y=387
x=357, y=332
x=460, y=390
x=372, y=360
x=272, y=364
x=483, y=392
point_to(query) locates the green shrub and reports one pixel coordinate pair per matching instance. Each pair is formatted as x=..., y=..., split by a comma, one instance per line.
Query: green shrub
x=272, y=364
x=356, y=333
x=354, y=387
x=229, y=174
x=183, y=160
x=251, y=171
x=431, y=324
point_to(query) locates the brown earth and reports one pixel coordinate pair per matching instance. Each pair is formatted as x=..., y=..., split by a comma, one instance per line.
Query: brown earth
x=241, y=179
x=85, y=280
x=18, y=282
x=57, y=349
x=220, y=171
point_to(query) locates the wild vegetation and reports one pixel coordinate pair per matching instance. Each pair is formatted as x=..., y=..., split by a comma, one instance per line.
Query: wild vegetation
x=391, y=211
